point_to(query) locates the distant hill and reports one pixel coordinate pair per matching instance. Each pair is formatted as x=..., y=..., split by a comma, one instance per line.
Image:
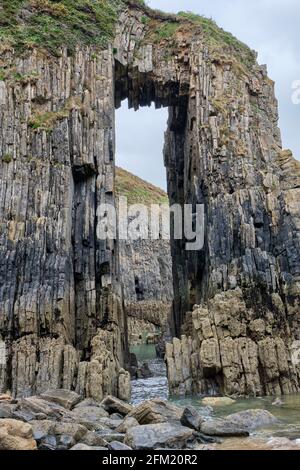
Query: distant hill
x=137, y=190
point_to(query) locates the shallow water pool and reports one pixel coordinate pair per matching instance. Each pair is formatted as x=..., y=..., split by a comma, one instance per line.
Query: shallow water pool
x=288, y=413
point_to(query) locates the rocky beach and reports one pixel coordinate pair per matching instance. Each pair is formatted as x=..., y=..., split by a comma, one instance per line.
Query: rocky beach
x=62, y=420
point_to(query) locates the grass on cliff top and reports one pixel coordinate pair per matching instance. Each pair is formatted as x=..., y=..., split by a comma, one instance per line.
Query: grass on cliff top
x=217, y=37
x=137, y=190
x=52, y=24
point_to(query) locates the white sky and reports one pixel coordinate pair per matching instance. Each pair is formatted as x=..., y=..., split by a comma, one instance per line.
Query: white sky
x=271, y=27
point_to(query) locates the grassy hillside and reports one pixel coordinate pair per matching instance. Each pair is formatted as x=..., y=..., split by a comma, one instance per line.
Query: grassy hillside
x=137, y=190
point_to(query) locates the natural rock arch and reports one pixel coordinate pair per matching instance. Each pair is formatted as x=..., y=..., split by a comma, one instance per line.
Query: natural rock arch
x=223, y=150
x=60, y=307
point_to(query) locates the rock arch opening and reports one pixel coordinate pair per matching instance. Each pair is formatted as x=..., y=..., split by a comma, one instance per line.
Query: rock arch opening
x=146, y=271
x=145, y=265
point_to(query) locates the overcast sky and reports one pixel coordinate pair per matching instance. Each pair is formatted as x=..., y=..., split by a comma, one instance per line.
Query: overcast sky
x=271, y=27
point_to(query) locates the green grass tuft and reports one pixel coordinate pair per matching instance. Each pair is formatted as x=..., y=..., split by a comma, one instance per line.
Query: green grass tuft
x=52, y=24
x=142, y=3
x=165, y=31
x=7, y=158
x=145, y=19
x=47, y=121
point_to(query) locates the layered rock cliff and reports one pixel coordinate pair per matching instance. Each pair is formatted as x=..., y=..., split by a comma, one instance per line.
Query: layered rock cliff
x=61, y=313
x=145, y=268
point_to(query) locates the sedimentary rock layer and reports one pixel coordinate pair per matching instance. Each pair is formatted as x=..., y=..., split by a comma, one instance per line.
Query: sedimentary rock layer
x=60, y=309
x=145, y=265
x=223, y=149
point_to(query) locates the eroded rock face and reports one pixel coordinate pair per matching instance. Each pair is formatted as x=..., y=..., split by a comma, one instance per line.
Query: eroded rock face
x=57, y=278
x=60, y=311
x=146, y=274
x=145, y=268
x=229, y=348
x=156, y=411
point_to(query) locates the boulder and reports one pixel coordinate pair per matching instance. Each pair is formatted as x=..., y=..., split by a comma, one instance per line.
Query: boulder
x=144, y=371
x=156, y=411
x=65, y=398
x=252, y=419
x=48, y=443
x=116, y=417
x=87, y=402
x=110, y=423
x=81, y=447
x=238, y=424
x=31, y=408
x=42, y=429
x=114, y=405
x=7, y=410
x=93, y=439
x=133, y=372
x=16, y=435
x=127, y=424
x=162, y=435
x=89, y=416
x=77, y=431
x=115, y=445
x=85, y=447
x=65, y=442
x=49, y=433
x=217, y=401
x=191, y=418
x=220, y=427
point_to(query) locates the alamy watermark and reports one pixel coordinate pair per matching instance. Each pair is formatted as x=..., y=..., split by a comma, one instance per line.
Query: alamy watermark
x=159, y=221
x=296, y=92
x=295, y=353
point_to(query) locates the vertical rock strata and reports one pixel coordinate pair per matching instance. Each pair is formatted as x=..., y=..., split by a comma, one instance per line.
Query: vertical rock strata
x=146, y=276
x=60, y=308
x=57, y=127
x=223, y=149
x=145, y=266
